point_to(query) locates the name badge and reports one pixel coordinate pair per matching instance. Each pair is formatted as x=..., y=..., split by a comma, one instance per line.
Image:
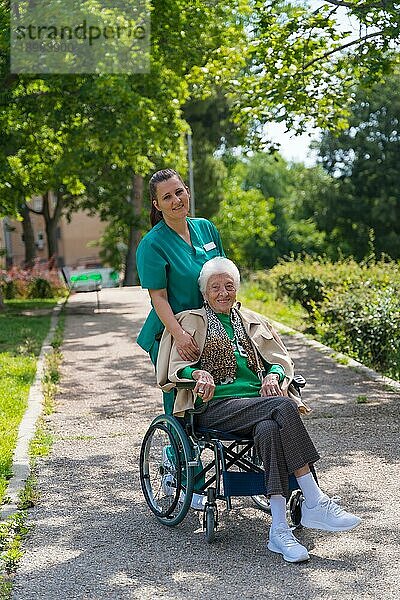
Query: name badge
x=209, y=246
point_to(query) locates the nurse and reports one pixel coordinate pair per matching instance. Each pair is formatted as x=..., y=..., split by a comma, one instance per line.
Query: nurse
x=169, y=259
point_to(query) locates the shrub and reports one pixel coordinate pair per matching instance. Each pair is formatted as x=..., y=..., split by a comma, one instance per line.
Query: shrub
x=10, y=290
x=40, y=287
x=353, y=307
x=308, y=290
x=308, y=280
x=363, y=322
x=37, y=282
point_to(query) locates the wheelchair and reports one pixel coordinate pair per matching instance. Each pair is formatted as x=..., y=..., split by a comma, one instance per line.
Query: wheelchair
x=178, y=458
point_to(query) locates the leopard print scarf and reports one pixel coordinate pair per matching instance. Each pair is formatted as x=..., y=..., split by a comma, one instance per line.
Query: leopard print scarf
x=218, y=356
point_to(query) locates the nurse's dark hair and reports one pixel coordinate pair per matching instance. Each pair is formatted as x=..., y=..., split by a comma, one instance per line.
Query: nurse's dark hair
x=158, y=177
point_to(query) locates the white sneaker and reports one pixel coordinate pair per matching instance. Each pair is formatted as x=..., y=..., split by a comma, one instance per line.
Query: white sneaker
x=198, y=501
x=167, y=484
x=328, y=516
x=282, y=541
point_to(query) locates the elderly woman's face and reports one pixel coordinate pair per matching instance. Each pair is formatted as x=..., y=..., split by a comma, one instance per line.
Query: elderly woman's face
x=220, y=293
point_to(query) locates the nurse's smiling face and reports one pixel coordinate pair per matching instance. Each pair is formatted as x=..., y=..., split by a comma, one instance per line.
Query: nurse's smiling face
x=172, y=199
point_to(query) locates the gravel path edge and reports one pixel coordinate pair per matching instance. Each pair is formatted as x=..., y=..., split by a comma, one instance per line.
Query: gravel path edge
x=27, y=427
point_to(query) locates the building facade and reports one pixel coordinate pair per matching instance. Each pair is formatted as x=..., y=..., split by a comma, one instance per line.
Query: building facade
x=77, y=240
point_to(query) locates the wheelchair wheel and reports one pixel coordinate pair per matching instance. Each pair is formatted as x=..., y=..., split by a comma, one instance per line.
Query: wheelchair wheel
x=295, y=503
x=166, y=475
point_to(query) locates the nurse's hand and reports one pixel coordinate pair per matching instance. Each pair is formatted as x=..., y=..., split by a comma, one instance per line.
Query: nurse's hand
x=187, y=346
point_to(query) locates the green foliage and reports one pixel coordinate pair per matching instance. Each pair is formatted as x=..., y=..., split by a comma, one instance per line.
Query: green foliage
x=352, y=307
x=10, y=289
x=36, y=282
x=304, y=65
x=16, y=376
x=40, y=288
x=282, y=190
x=59, y=332
x=244, y=220
x=11, y=532
x=308, y=290
x=5, y=588
x=362, y=399
x=42, y=442
x=364, y=322
x=287, y=186
x=213, y=129
x=362, y=204
x=92, y=132
x=264, y=300
x=310, y=280
x=114, y=244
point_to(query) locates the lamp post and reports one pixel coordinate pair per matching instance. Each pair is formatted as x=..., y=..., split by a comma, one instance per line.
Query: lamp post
x=191, y=179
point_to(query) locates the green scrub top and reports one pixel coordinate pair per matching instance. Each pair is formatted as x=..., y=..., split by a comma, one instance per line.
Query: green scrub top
x=165, y=261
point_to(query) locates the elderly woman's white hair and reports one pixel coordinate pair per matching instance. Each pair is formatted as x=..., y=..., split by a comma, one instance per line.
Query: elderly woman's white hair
x=218, y=266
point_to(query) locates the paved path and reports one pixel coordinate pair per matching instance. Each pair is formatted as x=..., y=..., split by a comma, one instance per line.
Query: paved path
x=93, y=537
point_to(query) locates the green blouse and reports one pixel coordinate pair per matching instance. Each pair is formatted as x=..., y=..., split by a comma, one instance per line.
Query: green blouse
x=247, y=383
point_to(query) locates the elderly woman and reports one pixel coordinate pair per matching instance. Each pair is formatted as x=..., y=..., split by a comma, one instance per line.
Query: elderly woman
x=243, y=375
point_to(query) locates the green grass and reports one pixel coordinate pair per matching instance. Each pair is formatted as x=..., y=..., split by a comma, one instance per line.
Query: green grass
x=291, y=314
x=14, y=528
x=362, y=399
x=341, y=360
x=24, y=325
x=11, y=533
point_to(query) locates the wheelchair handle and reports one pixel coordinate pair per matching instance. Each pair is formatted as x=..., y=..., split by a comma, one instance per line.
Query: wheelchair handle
x=299, y=381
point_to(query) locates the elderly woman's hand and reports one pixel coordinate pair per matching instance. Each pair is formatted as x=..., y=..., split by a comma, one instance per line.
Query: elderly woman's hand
x=270, y=385
x=187, y=346
x=205, y=385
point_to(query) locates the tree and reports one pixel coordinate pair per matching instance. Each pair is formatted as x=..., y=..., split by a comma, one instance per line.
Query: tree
x=302, y=66
x=84, y=137
x=286, y=187
x=92, y=134
x=244, y=220
x=213, y=130
x=29, y=236
x=364, y=203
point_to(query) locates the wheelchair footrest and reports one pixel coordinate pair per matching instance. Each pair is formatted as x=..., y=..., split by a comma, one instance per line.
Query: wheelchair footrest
x=238, y=483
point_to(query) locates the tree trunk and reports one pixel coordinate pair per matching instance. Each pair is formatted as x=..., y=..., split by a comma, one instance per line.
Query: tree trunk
x=131, y=275
x=51, y=224
x=29, y=237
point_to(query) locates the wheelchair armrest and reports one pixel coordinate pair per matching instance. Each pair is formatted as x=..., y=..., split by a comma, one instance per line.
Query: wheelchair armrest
x=185, y=385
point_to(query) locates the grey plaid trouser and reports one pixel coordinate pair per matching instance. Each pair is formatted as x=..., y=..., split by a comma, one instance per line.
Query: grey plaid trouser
x=280, y=437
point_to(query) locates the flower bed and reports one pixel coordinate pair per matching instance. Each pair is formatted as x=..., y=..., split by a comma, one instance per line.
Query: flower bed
x=36, y=282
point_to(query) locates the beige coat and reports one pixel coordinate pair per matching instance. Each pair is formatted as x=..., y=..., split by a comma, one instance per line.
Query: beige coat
x=260, y=331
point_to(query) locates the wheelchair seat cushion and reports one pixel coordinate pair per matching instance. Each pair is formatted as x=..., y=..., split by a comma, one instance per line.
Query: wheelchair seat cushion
x=224, y=436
